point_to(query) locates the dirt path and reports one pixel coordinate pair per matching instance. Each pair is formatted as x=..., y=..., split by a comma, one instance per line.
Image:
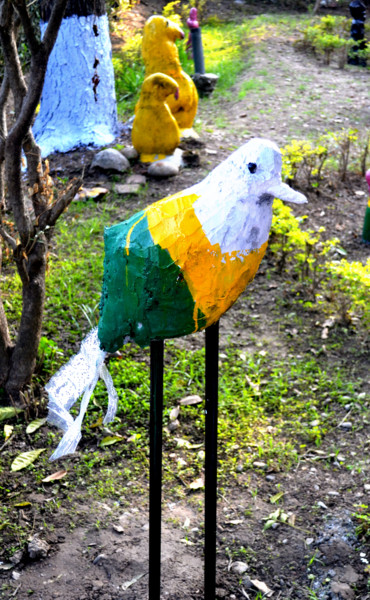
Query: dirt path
x=291, y=95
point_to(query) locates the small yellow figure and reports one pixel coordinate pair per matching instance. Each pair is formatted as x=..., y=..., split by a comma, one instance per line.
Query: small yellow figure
x=160, y=55
x=155, y=132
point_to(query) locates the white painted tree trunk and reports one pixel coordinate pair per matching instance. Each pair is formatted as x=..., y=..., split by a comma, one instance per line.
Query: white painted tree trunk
x=78, y=108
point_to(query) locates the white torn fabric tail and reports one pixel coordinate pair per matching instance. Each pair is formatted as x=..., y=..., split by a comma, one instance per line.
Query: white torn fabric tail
x=78, y=377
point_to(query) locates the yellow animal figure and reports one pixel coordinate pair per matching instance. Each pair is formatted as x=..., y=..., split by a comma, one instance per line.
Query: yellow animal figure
x=155, y=132
x=160, y=55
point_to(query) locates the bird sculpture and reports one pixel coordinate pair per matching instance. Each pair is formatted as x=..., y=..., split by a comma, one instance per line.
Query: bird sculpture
x=160, y=55
x=173, y=269
x=155, y=132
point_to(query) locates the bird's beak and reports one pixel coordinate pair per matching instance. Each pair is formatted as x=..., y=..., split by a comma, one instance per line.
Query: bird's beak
x=284, y=192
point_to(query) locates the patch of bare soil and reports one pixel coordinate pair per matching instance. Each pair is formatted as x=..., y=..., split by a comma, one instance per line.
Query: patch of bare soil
x=317, y=554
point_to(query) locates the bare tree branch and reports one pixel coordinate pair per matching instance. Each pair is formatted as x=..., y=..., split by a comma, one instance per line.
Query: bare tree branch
x=53, y=25
x=4, y=93
x=34, y=172
x=13, y=67
x=316, y=7
x=33, y=227
x=5, y=341
x=37, y=74
x=20, y=260
x=8, y=238
x=50, y=217
x=28, y=28
x=16, y=198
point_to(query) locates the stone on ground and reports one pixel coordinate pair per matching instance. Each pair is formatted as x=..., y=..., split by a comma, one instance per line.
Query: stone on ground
x=110, y=160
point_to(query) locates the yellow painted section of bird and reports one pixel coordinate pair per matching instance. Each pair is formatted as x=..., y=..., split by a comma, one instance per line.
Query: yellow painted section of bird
x=172, y=269
x=215, y=279
x=160, y=55
x=155, y=132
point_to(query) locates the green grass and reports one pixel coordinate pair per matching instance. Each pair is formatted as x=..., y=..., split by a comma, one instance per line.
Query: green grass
x=255, y=85
x=270, y=409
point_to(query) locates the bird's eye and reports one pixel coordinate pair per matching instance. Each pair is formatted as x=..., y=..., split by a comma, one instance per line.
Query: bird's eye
x=252, y=167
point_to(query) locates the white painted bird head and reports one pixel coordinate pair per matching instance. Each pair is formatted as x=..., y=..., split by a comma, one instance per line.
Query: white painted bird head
x=235, y=204
x=256, y=166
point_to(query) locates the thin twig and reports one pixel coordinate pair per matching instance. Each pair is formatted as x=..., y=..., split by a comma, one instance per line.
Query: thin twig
x=50, y=217
x=345, y=418
x=6, y=443
x=16, y=590
x=28, y=28
x=8, y=238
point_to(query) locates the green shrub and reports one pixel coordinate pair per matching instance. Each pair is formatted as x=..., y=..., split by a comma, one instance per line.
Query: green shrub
x=347, y=290
x=178, y=10
x=304, y=253
x=329, y=38
x=305, y=161
x=172, y=11
x=339, y=287
x=340, y=144
x=128, y=78
x=301, y=156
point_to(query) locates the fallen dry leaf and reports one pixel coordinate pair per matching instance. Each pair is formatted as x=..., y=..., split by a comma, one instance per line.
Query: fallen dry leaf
x=262, y=587
x=197, y=484
x=55, y=476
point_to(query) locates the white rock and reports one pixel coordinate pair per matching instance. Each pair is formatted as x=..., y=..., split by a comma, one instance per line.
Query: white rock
x=136, y=178
x=125, y=189
x=17, y=557
x=118, y=528
x=110, y=160
x=167, y=167
x=239, y=567
x=130, y=153
x=346, y=425
x=99, y=558
x=309, y=541
x=172, y=425
x=37, y=548
x=163, y=169
x=259, y=465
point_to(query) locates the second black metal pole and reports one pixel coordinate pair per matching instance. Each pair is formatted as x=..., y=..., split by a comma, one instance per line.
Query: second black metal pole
x=155, y=475
x=210, y=510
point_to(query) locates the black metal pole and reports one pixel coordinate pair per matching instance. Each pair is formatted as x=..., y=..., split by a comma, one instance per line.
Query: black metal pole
x=155, y=475
x=210, y=510
x=196, y=41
